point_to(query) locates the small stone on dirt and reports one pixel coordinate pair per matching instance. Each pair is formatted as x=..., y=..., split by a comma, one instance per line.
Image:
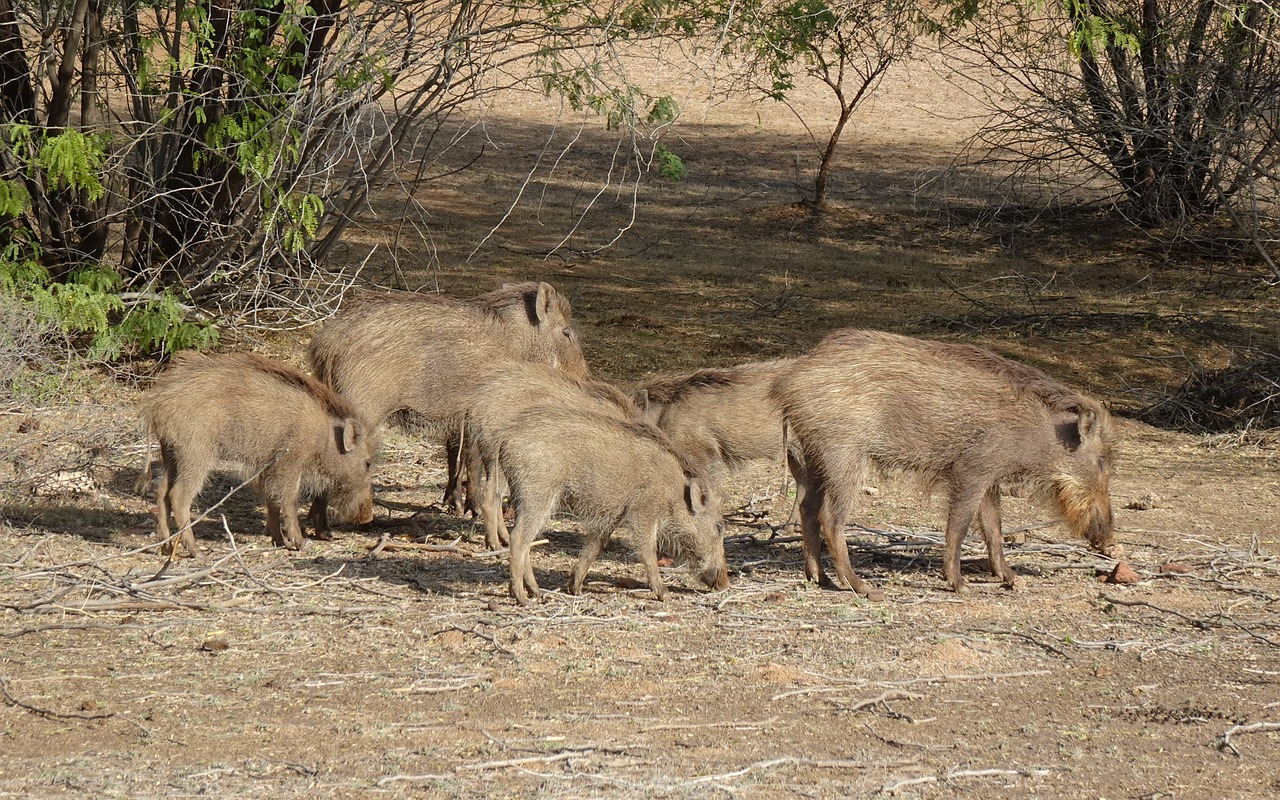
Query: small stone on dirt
x=1123, y=573
x=875, y=595
x=666, y=562
x=775, y=597
x=214, y=645
x=493, y=604
x=28, y=425
x=452, y=639
x=89, y=705
x=630, y=583
x=1175, y=568
x=1145, y=502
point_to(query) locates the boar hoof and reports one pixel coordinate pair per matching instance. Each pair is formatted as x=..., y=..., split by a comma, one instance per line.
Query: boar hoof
x=825, y=582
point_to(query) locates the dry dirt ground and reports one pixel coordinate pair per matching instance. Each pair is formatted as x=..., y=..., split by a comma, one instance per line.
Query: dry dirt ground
x=358, y=670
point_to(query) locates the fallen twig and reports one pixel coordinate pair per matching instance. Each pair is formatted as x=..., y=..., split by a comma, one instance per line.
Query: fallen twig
x=1239, y=730
x=516, y=762
x=699, y=725
x=923, y=680
x=953, y=774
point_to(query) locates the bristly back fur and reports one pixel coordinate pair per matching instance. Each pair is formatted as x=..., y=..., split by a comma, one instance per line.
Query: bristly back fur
x=1025, y=379
x=667, y=391
x=335, y=404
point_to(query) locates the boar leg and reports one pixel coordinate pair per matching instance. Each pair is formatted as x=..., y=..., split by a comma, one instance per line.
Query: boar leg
x=318, y=516
x=649, y=555
x=168, y=547
x=960, y=516
x=319, y=519
x=475, y=473
x=273, y=523
x=453, y=487
x=989, y=523
x=530, y=518
x=831, y=519
x=180, y=492
x=591, y=550
x=495, y=526
x=811, y=535
x=292, y=529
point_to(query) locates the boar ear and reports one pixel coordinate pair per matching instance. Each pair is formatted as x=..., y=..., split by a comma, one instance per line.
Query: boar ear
x=695, y=495
x=641, y=398
x=347, y=436
x=1088, y=422
x=542, y=303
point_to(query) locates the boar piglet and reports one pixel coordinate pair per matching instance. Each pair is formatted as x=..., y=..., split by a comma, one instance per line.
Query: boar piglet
x=267, y=419
x=503, y=390
x=410, y=353
x=577, y=449
x=721, y=419
x=957, y=417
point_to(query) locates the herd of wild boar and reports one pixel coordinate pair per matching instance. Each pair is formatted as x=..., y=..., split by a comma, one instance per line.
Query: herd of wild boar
x=501, y=379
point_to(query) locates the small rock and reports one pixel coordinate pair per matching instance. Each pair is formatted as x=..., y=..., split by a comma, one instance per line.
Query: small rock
x=1123, y=573
x=1102, y=671
x=666, y=562
x=89, y=705
x=28, y=425
x=214, y=645
x=1015, y=538
x=494, y=605
x=452, y=639
x=630, y=583
x=1175, y=568
x=871, y=491
x=1145, y=502
x=775, y=597
x=875, y=595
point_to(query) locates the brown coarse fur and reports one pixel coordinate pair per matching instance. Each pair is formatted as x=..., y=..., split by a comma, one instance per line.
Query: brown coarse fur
x=583, y=445
x=417, y=354
x=270, y=421
x=954, y=416
x=720, y=418
x=499, y=391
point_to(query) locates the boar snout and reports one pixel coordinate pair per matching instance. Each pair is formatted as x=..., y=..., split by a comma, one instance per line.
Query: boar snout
x=716, y=578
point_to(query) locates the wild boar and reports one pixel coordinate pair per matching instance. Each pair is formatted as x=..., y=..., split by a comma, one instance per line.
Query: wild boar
x=578, y=445
x=721, y=419
x=269, y=420
x=410, y=353
x=504, y=389
x=955, y=416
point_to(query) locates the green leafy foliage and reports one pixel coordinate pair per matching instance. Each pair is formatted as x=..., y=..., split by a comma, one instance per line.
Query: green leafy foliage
x=296, y=217
x=87, y=303
x=670, y=166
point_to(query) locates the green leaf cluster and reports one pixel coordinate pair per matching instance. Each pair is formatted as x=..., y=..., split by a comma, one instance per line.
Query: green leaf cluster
x=87, y=301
